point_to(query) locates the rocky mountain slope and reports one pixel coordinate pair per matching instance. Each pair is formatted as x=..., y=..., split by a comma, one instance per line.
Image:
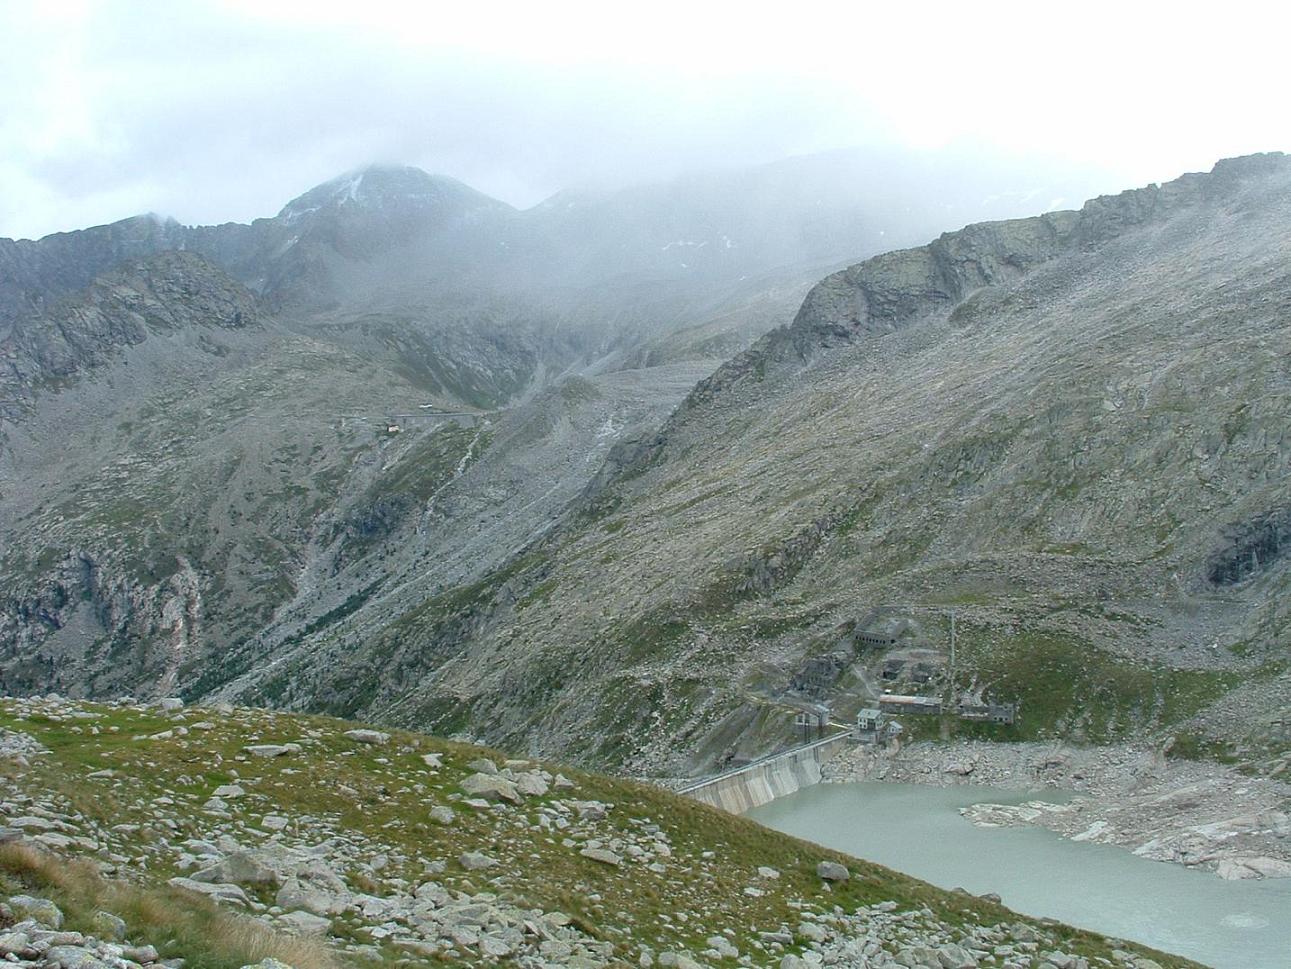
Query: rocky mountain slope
x=218, y=442
x=135, y=835
x=1067, y=430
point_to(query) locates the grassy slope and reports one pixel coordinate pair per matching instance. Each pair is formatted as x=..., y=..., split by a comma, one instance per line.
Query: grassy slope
x=383, y=795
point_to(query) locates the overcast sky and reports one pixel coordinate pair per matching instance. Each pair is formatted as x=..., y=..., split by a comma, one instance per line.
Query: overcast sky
x=219, y=111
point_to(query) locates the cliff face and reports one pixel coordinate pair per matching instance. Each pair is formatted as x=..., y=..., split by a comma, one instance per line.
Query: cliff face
x=165, y=293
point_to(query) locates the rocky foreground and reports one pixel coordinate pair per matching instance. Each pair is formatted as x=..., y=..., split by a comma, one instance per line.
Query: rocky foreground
x=158, y=835
x=1196, y=813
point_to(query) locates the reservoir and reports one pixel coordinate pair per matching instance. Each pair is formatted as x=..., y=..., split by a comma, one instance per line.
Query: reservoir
x=918, y=830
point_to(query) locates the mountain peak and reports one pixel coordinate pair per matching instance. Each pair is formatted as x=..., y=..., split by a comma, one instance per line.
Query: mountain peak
x=388, y=186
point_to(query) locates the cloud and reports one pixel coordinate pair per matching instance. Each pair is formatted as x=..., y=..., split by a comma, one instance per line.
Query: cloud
x=218, y=111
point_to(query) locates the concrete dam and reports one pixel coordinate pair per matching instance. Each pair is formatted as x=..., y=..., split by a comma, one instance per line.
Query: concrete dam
x=763, y=780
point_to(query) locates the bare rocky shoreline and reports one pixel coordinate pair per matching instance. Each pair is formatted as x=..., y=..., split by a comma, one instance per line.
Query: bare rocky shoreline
x=1195, y=813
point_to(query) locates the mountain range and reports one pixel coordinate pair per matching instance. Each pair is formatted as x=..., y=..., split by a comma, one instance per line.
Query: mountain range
x=629, y=476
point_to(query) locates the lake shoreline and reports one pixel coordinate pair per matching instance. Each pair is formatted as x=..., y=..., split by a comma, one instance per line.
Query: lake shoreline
x=1199, y=814
x=922, y=830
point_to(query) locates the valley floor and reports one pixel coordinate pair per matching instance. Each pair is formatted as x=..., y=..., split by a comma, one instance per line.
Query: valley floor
x=1192, y=812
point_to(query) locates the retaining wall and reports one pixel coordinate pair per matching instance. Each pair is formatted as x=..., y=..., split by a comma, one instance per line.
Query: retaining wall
x=764, y=780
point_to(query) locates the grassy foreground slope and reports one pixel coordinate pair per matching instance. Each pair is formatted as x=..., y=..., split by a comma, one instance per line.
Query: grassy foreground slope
x=224, y=836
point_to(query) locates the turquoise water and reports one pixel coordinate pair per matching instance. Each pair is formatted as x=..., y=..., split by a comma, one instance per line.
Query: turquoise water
x=918, y=830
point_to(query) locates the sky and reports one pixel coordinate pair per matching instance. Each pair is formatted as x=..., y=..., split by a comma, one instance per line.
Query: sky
x=222, y=111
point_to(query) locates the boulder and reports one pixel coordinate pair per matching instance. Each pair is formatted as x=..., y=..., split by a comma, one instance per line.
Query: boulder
x=475, y=861
x=722, y=946
x=40, y=910
x=813, y=931
x=1252, y=867
x=832, y=871
x=531, y=784
x=442, y=814
x=305, y=923
x=492, y=787
x=271, y=750
x=314, y=888
x=73, y=957
x=373, y=737
x=16, y=944
x=229, y=894
x=108, y=927
x=602, y=855
x=483, y=765
x=242, y=868
x=954, y=956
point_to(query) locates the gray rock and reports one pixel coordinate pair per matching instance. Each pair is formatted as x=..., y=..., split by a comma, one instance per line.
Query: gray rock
x=494, y=947
x=813, y=931
x=831, y=871
x=242, y=868
x=373, y=737
x=491, y=787
x=722, y=946
x=305, y=923
x=483, y=765
x=271, y=750
x=140, y=953
x=40, y=910
x=15, y=944
x=589, y=810
x=602, y=855
x=108, y=926
x=442, y=814
x=230, y=894
x=73, y=957
x=531, y=784
x=475, y=861
x=314, y=888
x=954, y=956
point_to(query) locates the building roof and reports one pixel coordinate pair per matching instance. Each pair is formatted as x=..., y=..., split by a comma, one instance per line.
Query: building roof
x=907, y=700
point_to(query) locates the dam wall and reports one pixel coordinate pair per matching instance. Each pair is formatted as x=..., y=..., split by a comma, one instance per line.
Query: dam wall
x=738, y=790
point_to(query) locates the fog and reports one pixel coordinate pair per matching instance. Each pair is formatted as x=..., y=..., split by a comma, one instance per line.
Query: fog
x=211, y=112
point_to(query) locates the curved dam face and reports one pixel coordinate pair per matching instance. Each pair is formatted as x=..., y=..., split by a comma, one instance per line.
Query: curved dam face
x=764, y=780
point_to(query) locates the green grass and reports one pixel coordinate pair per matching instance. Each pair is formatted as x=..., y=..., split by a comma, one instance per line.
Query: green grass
x=383, y=795
x=1068, y=688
